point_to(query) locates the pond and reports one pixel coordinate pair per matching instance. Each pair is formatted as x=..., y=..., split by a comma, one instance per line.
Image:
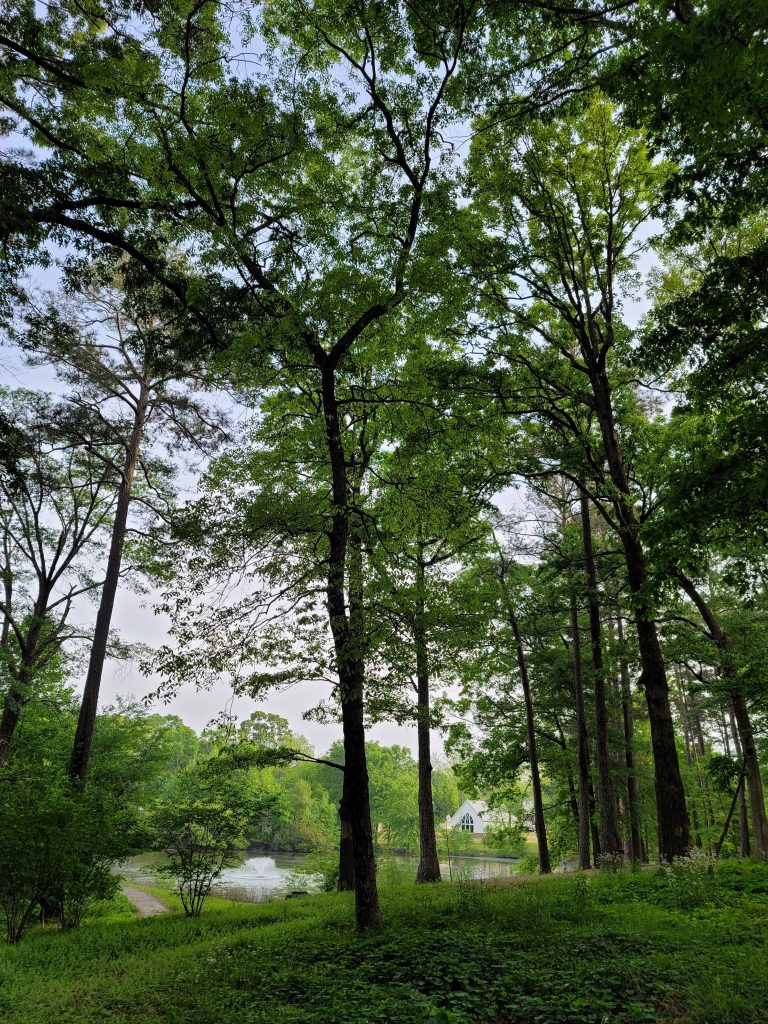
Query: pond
x=263, y=876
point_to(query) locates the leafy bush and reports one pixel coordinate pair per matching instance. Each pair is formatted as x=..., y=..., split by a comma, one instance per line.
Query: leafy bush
x=199, y=827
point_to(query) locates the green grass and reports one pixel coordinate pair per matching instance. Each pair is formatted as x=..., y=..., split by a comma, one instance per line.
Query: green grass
x=607, y=949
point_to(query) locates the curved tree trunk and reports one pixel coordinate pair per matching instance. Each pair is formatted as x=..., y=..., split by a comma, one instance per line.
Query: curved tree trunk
x=582, y=742
x=538, y=804
x=81, y=748
x=610, y=837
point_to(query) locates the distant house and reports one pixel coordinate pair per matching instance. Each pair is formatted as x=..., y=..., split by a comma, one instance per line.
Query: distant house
x=474, y=817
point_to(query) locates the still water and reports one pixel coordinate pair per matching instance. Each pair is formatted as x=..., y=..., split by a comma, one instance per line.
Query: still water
x=259, y=877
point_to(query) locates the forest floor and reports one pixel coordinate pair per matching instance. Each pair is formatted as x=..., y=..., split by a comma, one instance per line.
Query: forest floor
x=682, y=947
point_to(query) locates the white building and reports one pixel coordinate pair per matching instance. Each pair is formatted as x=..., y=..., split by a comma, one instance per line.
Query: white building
x=474, y=817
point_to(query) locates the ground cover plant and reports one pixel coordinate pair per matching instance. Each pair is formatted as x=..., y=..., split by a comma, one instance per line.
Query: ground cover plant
x=631, y=948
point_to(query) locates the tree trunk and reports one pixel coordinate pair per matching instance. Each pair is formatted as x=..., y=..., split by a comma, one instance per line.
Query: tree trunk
x=14, y=701
x=610, y=837
x=754, y=782
x=582, y=742
x=682, y=711
x=538, y=803
x=744, y=845
x=81, y=748
x=746, y=737
x=346, y=851
x=348, y=646
x=429, y=865
x=672, y=814
x=635, y=850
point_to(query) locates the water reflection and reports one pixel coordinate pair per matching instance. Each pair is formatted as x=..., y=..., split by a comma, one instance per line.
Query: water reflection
x=259, y=877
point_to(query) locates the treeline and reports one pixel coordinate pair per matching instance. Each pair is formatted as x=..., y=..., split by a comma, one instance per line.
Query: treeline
x=401, y=244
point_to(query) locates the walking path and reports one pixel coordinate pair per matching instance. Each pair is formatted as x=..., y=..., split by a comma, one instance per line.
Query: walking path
x=145, y=903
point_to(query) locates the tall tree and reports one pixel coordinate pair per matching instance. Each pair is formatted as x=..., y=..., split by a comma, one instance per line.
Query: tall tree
x=122, y=361
x=58, y=504
x=569, y=200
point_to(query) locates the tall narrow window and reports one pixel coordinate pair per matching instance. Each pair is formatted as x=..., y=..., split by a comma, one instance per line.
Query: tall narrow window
x=467, y=823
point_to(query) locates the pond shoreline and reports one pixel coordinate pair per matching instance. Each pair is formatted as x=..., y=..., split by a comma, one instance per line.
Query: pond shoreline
x=260, y=876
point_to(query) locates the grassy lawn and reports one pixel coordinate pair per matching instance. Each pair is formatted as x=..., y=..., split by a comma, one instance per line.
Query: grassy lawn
x=604, y=949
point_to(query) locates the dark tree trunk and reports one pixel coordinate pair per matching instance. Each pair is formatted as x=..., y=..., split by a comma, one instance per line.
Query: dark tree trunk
x=582, y=742
x=746, y=737
x=346, y=850
x=744, y=845
x=635, y=851
x=596, y=851
x=367, y=912
x=672, y=814
x=754, y=781
x=429, y=865
x=610, y=837
x=81, y=748
x=348, y=647
x=538, y=804
x=14, y=702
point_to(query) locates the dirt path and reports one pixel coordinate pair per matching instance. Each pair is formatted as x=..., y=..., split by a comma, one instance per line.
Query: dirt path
x=145, y=903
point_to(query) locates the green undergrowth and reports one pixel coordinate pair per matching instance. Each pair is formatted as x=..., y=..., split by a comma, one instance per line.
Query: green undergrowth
x=683, y=947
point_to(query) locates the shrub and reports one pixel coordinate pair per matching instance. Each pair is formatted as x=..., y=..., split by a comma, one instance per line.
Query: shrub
x=199, y=827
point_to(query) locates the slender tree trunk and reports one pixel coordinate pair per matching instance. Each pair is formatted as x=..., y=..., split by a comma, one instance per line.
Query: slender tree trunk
x=429, y=865
x=744, y=845
x=746, y=737
x=726, y=826
x=682, y=711
x=346, y=851
x=635, y=850
x=754, y=781
x=350, y=666
x=699, y=753
x=538, y=804
x=81, y=748
x=672, y=814
x=610, y=837
x=582, y=742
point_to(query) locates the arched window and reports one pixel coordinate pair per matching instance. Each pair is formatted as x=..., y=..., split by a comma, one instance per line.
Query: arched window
x=467, y=823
